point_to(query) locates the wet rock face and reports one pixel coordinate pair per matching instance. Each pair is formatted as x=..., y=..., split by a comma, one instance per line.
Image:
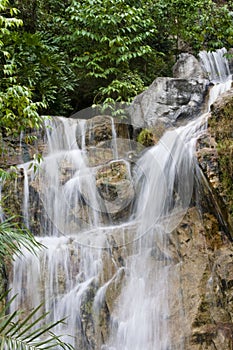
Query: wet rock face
x=215, y=153
x=170, y=99
x=14, y=152
x=97, y=129
x=100, y=129
x=188, y=67
x=202, y=275
x=115, y=187
x=205, y=242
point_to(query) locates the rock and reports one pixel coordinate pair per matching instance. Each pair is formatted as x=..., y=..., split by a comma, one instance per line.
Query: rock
x=168, y=99
x=107, y=151
x=115, y=186
x=203, y=277
x=188, y=67
x=215, y=154
x=14, y=152
x=230, y=60
x=102, y=128
x=97, y=129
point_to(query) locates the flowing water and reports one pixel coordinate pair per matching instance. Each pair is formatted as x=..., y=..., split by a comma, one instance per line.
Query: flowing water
x=111, y=280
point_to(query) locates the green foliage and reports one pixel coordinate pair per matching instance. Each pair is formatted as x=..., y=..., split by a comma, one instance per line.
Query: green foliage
x=217, y=27
x=25, y=333
x=42, y=66
x=109, y=46
x=195, y=25
x=13, y=238
x=35, y=60
x=129, y=85
x=72, y=53
x=7, y=175
x=18, y=112
x=7, y=24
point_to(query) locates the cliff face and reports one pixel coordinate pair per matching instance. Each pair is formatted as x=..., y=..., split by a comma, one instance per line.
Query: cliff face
x=200, y=250
x=201, y=246
x=216, y=154
x=208, y=258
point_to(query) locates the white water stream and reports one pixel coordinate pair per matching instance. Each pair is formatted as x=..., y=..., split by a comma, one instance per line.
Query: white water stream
x=74, y=274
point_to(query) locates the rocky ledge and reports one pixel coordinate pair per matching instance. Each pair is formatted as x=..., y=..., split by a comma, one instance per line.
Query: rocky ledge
x=215, y=154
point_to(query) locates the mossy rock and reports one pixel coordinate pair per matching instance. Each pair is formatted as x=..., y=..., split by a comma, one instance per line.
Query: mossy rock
x=150, y=137
x=146, y=138
x=221, y=126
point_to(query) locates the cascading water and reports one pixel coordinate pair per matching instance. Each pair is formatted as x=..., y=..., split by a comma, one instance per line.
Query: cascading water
x=216, y=65
x=90, y=260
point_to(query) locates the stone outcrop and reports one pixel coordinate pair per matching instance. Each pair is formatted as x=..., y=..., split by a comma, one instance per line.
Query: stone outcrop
x=215, y=154
x=97, y=129
x=14, y=152
x=171, y=99
x=188, y=67
x=115, y=186
x=204, y=243
x=204, y=280
x=102, y=128
x=168, y=99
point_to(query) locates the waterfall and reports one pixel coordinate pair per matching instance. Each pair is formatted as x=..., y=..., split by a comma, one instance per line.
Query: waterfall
x=216, y=65
x=89, y=256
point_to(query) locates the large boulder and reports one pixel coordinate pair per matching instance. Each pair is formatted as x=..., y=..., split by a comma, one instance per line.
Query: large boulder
x=168, y=99
x=188, y=67
x=96, y=129
x=115, y=186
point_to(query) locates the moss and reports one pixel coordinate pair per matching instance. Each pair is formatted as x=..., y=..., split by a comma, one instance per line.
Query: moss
x=150, y=137
x=146, y=138
x=225, y=150
x=221, y=126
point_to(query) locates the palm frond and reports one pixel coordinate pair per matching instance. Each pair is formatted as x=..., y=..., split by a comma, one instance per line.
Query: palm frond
x=14, y=237
x=28, y=333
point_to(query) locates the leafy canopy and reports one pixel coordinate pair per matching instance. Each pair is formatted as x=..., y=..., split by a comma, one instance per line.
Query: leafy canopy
x=73, y=53
x=109, y=45
x=18, y=111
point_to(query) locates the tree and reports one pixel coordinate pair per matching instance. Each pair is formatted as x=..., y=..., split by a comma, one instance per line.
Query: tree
x=194, y=25
x=39, y=62
x=17, y=110
x=74, y=53
x=108, y=40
